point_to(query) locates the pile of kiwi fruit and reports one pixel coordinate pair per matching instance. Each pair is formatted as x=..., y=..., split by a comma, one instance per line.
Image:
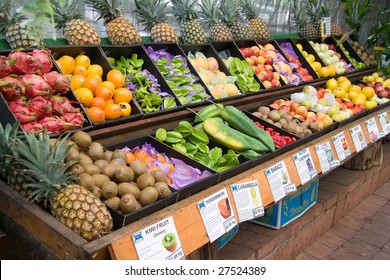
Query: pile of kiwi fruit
x=123, y=186
x=368, y=58
x=283, y=120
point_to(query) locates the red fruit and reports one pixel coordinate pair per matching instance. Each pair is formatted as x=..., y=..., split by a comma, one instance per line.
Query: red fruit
x=43, y=63
x=11, y=88
x=35, y=85
x=5, y=66
x=77, y=119
x=61, y=105
x=23, y=113
x=57, y=125
x=24, y=63
x=58, y=82
x=33, y=127
x=41, y=106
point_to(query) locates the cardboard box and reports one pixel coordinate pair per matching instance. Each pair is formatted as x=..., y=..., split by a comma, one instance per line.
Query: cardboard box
x=291, y=207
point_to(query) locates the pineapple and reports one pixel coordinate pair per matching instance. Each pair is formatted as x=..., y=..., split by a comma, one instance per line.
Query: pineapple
x=16, y=34
x=319, y=10
x=69, y=17
x=120, y=31
x=191, y=30
x=152, y=13
x=256, y=25
x=302, y=22
x=211, y=13
x=231, y=16
x=46, y=178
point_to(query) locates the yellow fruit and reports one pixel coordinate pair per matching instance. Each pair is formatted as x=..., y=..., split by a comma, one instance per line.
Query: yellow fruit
x=323, y=72
x=95, y=69
x=379, y=79
x=368, y=92
x=360, y=99
x=68, y=64
x=299, y=46
x=332, y=70
x=84, y=95
x=375, y=75
x=312, y=58
x=345, y=84
x=76, y=81
x=352, y=94
x=331, y=84
x=355, y=88
x=339, y=92
x=341, y=78
x=316, y=66
x=369, y=79
x=83, y=60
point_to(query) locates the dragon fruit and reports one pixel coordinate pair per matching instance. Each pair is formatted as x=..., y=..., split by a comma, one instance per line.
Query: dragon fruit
x=41, y=106
x=33, y=127
x=43, y=63
x=61, y=105
x=5, y=66
x=23, y=113
x=35, y=85
x=59, y=83
x=57, y=125
x=24, y=63
x=11, y=88
x=77, y=119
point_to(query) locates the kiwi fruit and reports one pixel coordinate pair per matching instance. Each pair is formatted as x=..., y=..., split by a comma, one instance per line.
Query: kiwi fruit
x=138, y=167
x=138, y=205
x=95, y=151
x=145, y=180
x=258, y=114
x=97, y=192
x=109, y=189
x=76, y=169
x=283, y=122
x=100, y=179
x=264, y=110
x=100, y=163
x=270, y=121
x=313, y=126
x=109, y=170
x=82, y=139
x=119, y=161
x=120, y=154
x=148, y=196
x=107, y=156
x=278, y=124
x=85, y=180
x=307, y=131
x=128, y=203
x=159, y=176
x=162, y=189
x=113, y=202
x=274, y=116
x=84, y=158
x=124, y=173
x=134, y=183
x=91, y=169
x=124, y=188
x=73, y=154
x=73, y=144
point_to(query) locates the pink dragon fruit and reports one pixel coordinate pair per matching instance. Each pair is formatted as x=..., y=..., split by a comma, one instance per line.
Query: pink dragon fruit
x=23, y=113
x=24, y=63
x=33, y=127
x=57, y=125
x=43, y=62
x=5, y=66
x=41, y=106
x=61, y=105
x=77, y=119
x=59, y=83
x=35, y=86
x=11, y=88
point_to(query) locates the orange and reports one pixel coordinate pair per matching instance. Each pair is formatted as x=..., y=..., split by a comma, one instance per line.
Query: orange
x=95, y=69
x=84, y=95
x=96, y=114
x=116, y=77
x=122, y=95
x=80, y=69
x=130, y=157
x=171, y=167
x=98, y=102
x=112, y=111
x=67, y=63
x=82, y=60
x=60, y=66
x=97, y=77
x=332, y=70
x=103, y=92
x=140, y=154
x=148, y=160
x=154, y=167
x=159, y=158
x=91, y=83
x=109, y=85
x=76, y=81
x=369, y=92
x=323, y=72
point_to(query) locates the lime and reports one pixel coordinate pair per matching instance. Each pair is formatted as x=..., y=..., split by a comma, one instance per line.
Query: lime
x=161, y=134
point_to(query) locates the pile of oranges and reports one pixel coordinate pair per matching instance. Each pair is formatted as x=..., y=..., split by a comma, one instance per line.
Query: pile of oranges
x=104, y=99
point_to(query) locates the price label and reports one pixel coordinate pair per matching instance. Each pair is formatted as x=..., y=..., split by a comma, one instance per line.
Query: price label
x=358, y=138
x=325, y=156
x=248, y=200
x=385, y=122
x=341, y=146
x=217, y=214
x=159, y=241
x=279, y=180
x=373, y=129
x=326, y=26
x=304, y=163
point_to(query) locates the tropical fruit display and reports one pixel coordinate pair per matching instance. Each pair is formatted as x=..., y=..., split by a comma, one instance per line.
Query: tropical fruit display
x=38, y=96
x=322, y=71
x=380, y=84
x=257, y=27
x=230, y=10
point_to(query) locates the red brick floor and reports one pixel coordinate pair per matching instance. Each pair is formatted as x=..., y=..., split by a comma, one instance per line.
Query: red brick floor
x=364, y=233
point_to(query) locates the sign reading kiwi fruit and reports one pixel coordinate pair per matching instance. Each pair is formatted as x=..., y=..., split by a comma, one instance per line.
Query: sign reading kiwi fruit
x=279, y=180
x=305, y=166
x=341, y=146
x=217, y=214
x=248, y=200
x=159, y=241
x=325, y=157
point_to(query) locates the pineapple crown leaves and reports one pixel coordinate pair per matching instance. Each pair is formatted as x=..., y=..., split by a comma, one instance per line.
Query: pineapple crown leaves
x=44, y=165
x=108, y=9
x=230, y=11
x=299, y=13
x=250, y=8
x=151, y=12
x=10, y=14
x=184, y=10
x=210, y=11
x=65, y=11
x=8, y=136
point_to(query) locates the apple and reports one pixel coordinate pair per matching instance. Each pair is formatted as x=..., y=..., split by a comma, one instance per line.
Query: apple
x=320, y=115
x=269, y=68
x=262, y=67
x=294, y=105
x=306, y=103
x=285, y=108
x=369, y=104
x=301, y=110
x=337, y=117
x=269, y=60
x=275, y=83
x=349, y=111
x=256, y=50
x=339, y=100
x=320, y=123
x=332, y=110
x=263, y=53
x=267, y=84
x=276, y=76
x=311, y=117
x=250, y=60
x=262, y=76
x=270, y=76
x=299, y=117
x=322, y=101
x=260, y=60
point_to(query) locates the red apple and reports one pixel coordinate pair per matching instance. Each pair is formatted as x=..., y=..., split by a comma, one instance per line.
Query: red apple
x=339, y=100
x=261, y=76
x=286, y=108
x=270, y=76
x=260, y=59
x=348, y=104
x=301, y=110
x=256, y=50
x=269, y=68
x=250, y=60
x=267, y=84
x=343, y=106
x=275, y=83
x=269, y=60
x=262, y=67
x=263, y=53
x=294, y=105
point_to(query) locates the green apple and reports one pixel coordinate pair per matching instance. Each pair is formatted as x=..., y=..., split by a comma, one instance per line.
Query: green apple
x=337, y=117
x=332, y=110
x=322, y=101
x=306, y=103
x=369, y=104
